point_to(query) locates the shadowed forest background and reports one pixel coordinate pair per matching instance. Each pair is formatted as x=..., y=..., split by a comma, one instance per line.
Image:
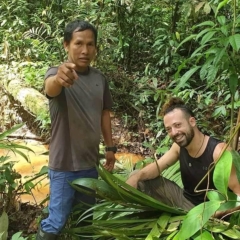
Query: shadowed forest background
x=149, y=50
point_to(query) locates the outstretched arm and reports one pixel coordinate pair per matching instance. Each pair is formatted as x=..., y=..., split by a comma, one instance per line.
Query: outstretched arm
x=65, y=77
x=154, y=169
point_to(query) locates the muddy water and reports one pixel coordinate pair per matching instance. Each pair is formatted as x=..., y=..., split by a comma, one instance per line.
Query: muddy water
x=37, y=160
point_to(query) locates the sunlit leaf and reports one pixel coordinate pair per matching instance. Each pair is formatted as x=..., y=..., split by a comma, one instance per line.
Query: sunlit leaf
x=228, y=202
x=199, y=6
x=222, y=172
x=197, y=217
x=220, y=5
x=17, y=236
x=177, y=34
x=219, y=111
x=4, y=222
x=235, y=41
x=204, y=235
x=44, y=170
x=221, y=20
x=224, y=30
x=232, y=233
x=207, y=8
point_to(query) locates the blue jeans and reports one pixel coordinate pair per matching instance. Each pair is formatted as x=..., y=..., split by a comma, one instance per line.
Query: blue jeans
x=63, y=197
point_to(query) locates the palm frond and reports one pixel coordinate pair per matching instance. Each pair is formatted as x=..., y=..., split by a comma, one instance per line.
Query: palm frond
x=114, y=189
x=126, y=213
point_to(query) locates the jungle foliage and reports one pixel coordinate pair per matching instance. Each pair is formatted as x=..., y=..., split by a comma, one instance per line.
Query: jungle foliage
x=126, y=213
x=149, y=50
x=11, y=185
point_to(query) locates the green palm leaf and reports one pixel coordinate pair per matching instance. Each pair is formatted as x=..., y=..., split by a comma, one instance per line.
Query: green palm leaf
x=126, y=213
x=5, y=144
x=10, y=131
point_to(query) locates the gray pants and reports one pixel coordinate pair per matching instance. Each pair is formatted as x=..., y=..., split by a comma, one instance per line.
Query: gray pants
x=166, y=192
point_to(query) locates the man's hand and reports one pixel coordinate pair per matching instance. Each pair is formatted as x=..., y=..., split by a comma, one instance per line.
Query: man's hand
x=110, y=161
x=66, y=74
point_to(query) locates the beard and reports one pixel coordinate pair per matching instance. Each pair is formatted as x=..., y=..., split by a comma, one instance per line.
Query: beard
x=185, y=138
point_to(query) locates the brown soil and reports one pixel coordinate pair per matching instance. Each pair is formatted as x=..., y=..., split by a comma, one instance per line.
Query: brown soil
x=24, y=220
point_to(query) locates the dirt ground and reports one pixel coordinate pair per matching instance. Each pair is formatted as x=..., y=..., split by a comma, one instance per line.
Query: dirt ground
x=24, y=220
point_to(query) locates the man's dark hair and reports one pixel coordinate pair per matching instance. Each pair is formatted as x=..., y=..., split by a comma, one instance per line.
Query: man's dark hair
x=176, y=103
x=78, y=26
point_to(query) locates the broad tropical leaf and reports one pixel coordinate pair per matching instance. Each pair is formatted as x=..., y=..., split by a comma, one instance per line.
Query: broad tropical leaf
x=222, y=172
x=115, y=189
x=235, y=41
x=4, y=226
x=227, y=202
x=130, y=214
x=236, y=162
x=197, y=218
x=203, y=235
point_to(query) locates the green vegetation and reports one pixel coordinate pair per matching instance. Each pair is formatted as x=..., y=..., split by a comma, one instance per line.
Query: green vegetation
x=11, y=186
x=125, y=213
x=149, y=50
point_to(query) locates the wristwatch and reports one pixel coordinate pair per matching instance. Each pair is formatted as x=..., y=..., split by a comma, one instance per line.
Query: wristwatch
x=111, y=149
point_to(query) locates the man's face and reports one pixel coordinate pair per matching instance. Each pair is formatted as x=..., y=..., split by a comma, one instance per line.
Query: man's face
x=179, y=128
x=81, y=49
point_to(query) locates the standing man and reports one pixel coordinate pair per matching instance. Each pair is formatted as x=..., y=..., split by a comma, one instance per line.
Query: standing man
x=196, y=152
x=79, y=101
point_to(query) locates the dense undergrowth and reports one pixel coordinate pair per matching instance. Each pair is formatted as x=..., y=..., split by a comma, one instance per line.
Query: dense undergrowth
x=149, y=51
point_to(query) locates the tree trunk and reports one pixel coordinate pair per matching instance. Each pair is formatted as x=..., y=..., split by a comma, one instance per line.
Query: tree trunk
x=31, y=100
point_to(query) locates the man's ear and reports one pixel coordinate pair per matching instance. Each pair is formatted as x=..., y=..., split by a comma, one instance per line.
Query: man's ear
x=192, y=121
x=65, y=46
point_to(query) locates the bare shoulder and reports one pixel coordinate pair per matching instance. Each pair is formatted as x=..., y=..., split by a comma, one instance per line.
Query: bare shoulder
x=175, y=149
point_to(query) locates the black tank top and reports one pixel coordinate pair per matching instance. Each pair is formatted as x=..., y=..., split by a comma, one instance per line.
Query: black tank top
x=194, y=169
